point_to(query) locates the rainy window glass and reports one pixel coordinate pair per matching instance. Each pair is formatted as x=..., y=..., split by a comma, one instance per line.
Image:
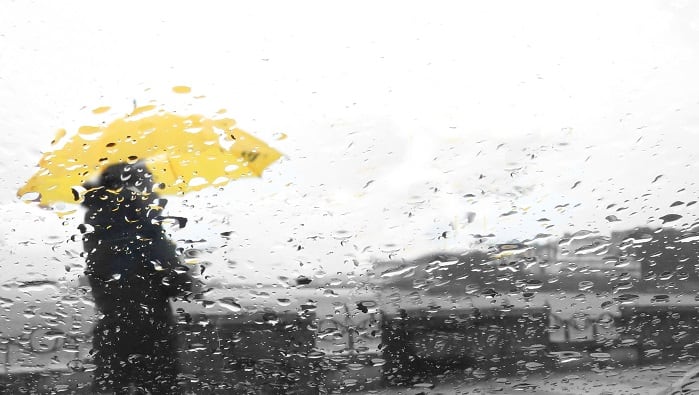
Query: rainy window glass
x=389, y=198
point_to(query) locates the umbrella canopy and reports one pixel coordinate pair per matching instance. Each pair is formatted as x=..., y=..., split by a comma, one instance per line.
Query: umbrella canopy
x=184, y=153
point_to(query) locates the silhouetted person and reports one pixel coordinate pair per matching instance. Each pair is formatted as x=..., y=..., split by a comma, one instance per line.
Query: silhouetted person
x=133, y=269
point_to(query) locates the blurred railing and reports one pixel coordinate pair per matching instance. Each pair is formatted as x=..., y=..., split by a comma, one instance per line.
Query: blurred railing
x=419, y=344
x=299, y=351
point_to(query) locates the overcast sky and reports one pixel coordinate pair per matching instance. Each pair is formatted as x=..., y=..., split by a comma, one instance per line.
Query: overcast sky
x=395, y=114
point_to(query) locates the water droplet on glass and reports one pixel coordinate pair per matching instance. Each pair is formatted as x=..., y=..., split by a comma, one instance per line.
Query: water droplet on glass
x=524, y=387
x=626, y=298
x=533, y=365
x=566, y=356
x=378, y=361
x=670, y=218
x=600, y=356
x=660, y=299
x=585, y=285
x=31, y=197
x=270, y=318
x=198, y=182
x=341, y=235
x=390, y=248
x=76, y=365
x=283, y=301
x=182, y=89
x=156, y=265
x=230, y=304
x=402, y=269
x=280, y=136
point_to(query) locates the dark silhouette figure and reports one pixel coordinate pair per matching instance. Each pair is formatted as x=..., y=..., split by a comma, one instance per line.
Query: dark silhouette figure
x=133, y=269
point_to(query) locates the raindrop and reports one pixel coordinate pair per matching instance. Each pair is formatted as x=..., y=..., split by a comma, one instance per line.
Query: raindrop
x=400, y=270
x=640, y=239
x=585, y=285
x=524, y=387
x=197, y=182
x=335, y=282
x=621, y=262
x=182, y=89
x=342, y=235
x=156, y=265
x=303, y=280
x=660, y=299
x=231, y=168
x=100, y=110
x=193, y=253
x=472, y=288
x=76, y=365
x=378, y=361
x=31, y=197
x=270, y=318
x=367, y=306
x=390, y=248
x=626, y=298
x=316, y=354
x=622, y=286
x=664, y=276
x=567, y=356
x=533, y=365
x=230, y=304
x=220, y=181
x=689, y=238
x=670, y=218
x=283, y=301
x=594, y=248
x=600, y=356
x=78, y=192
x=350, y=382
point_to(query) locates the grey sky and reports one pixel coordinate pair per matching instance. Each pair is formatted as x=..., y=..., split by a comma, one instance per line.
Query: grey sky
x=393, y=111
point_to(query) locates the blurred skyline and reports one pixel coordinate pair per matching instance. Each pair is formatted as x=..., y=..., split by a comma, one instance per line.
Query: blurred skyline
x=402, y=120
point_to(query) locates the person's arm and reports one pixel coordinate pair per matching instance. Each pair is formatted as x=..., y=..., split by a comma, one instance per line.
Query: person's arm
x=176, y=276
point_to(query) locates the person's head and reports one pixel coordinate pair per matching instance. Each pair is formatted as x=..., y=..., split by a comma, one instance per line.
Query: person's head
x=135, y=177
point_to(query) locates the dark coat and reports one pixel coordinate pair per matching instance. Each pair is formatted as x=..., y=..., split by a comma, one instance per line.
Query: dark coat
x=133, y=269
x=129, y=256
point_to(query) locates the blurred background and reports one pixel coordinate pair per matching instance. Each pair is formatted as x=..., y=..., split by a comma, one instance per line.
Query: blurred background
x=495, y=196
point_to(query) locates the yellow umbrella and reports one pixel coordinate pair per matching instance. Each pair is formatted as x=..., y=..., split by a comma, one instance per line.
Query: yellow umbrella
x=185, y=153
